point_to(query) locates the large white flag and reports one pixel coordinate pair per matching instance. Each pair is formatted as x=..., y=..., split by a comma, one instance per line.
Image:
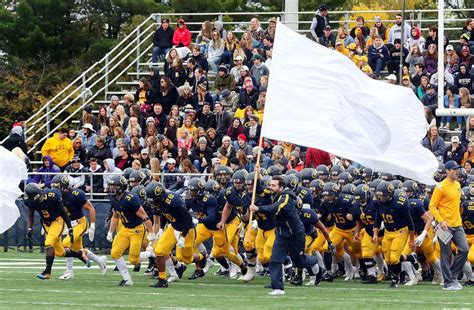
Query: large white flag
x=12, y=172
x=318, y=98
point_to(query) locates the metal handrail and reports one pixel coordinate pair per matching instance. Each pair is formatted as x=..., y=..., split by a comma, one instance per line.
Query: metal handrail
x=144, y=30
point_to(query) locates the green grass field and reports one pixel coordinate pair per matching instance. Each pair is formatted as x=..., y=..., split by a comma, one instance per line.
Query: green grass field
x=19, y=289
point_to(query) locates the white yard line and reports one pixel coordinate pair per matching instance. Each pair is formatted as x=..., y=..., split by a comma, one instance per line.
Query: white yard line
x=39, y=303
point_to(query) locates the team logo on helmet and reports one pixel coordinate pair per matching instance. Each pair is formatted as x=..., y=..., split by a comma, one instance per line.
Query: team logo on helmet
x=158, y=191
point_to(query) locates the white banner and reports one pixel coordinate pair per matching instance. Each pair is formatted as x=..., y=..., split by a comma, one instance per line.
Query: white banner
x=318, y=98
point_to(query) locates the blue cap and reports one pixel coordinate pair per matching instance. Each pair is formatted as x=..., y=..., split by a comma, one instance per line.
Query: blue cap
x=451, y=165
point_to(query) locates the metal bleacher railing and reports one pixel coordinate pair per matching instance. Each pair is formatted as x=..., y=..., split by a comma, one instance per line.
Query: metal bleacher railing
x=130, y=59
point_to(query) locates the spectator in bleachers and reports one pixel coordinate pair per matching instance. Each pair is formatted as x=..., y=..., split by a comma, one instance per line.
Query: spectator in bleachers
x=431, y=59
x=205, y=117
x=464, y=78
x=121, y=116
x=88, y=118
x=172, y=182
x=102, y=119
x=114, y=103
x=166, y=144
x=215, y=50
x=465, y=101
x=360, y=28
x=244, y=51
x=201, y=155
x=421, y=89
x=155, y=169
x=235, y=70
x=320, y=20
x=119, y=142
x=133, y=123
x=185, y=140
x=15, y=139
x=258, y=69
x=270, y=31
x=248, y=96
x=378, y=55
x=295, y=161
x=44, y=178
x=328, y=39
x=343, y=37
x=223, y=119
x=191, y=65
x=71, y=133
x=230, y=45
x=242, y=145
x=74, y=173
x=182, y=155
x=94, y=181
x=79, y=150
x=417, y=76
x=214, y=142
x=396, y=30
x=144, y=158
x=430, y=99
x=267, y=43
x=468, y=156
x=227, y=146
x=188, y=125
x=177, y=73
x=393, y=64
x=169, y=94
x=129, y=98
x=123, y=160
x=158, y=117
x=144, y=95
x=235, y=129
x=200, y=59
x=381, y=30
x=172, y=55
x=406, y=82
x=244, y=73
x=341, y=49
x=432, y=37
x=99, y=151
x=451, y=59
x=256, y=30
x=219, y=26
x=414, y=57
x=59, y=148
x=467, y=134
x=455, y=151
x=223, y=81
x=171, y=130
x=416, y=39
x=448, y=78
x=204, y=37
x=181, y=36
x=252, y=130
x=200, y=79
x=162, y=40
x=135, y=112
x=466, y=58
x=110, y=170
x=152, y=146
x=434, y=142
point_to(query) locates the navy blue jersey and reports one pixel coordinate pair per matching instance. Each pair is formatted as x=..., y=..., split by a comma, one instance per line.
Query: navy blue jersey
x=73, y=201
x=416, y=212
x=127, y=208
x=305, y=195
x=467, y=216
x=309, y=218
x=340, y=209
x=395, y=213
x=426, y=201
x=205, y=208
x=221, y=201
x=48, y=209
x=264, y=221
x=366, y=215
x=174, y=211
x=323, y=211
x=236, y=199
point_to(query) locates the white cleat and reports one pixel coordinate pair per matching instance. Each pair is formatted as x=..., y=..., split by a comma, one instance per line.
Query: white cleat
x=312, y=280
x=412, y=282
x=209, y=264
x=277, y=292
x=173, y=279
x=350, y=275
x=233, y=271
x=67, y=275
x=436, y=279
x=103, y=265
x=126, y=283
x=249, y=276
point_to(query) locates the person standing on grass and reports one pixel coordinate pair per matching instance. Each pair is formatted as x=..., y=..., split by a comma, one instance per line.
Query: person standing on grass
x=445, y=207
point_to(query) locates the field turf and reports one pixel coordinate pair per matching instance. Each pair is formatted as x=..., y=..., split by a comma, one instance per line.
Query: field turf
x=19, y=289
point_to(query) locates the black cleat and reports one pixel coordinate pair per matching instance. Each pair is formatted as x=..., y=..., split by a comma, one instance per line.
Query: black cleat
x=136, y=268
x=116, y=268
x=160, y=283
x=327, y=277
x=370, y=279
x=289, y=272
x=151, y=266
x=180, y=270
x=297, y=280
x=394, y=283
x=319, y=277
x=469, y=283
x=154, y=274
x=125, y=283
x=243, y=269
x=261, y=273
x=339, y=273
x=196, y=274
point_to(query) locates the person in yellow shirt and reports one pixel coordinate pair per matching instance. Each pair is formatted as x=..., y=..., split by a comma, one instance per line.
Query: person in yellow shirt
x=59, y=148
x=445, y=205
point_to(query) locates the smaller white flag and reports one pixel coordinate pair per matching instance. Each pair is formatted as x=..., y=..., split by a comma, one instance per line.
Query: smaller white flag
x=12, y=172
x=323, y=100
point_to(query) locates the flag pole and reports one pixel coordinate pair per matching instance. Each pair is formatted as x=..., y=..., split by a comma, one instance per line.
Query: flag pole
x=402, y=39
x=255, y=179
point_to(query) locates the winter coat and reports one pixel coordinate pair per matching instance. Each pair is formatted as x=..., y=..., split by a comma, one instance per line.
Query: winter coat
x=182, y=36
x=46, y=178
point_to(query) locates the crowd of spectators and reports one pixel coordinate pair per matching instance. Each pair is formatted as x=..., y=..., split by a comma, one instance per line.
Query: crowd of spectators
x=177, y=121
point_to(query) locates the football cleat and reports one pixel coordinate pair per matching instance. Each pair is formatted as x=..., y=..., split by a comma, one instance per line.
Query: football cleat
x=151, y=266
x=180, y=270
x=197, y=274
x=43, y=276
x=243, y=269
x=350, y=274
x=394, y=283
x=171, y=279
x=277, y=292
x=221, y=272
x=249, y=276
x=136, y=268
x=154, y=274
x=411, y=282
x=327, y=277
x=312, y=280
x=126, y=283
x=67, y=275
x=437, y=278
x=160, y=283
x=233, y=271
x=209, y=264
x=103, y=265
x=370, y=279
x=319, y=277
x=469, y=283
x=297, y=280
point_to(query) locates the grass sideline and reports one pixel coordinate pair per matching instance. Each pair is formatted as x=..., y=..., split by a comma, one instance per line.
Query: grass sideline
x=19, y=289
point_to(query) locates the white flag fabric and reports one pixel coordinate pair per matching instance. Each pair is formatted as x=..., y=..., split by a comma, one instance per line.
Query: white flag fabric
x=317, y=97
x=12, y=172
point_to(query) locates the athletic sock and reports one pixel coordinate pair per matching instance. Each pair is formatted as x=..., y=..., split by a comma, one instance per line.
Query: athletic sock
x=122, y=267
x=69, y=263
x=49, y=263
x=93, y=257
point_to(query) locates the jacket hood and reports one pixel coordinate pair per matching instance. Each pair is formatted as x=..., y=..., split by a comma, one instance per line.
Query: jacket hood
x=288, y=192
x=182, y=20
x=219, y=25
x=418, y=33
x=17, y=130
x=111, y=163
x=50, y=160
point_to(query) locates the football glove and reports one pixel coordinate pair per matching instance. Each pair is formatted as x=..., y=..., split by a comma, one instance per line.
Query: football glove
x=331, y=248
x=151, y=236
x=195, y=221
x=70, y=233
x=110, y=237
x=180, y=243
x=92, y=232
x=419, y=240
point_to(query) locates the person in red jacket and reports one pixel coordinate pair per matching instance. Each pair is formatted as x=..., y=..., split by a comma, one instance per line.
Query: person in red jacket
x=181, y=36
x=316, y=157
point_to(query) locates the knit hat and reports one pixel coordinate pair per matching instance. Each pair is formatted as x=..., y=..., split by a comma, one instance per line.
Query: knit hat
x=277, y=149
x=223, y=69
x=150, y=120
x=88, y=109
x=242, y=137
x=296, y=154
x=226, y=138
x=202, y=140
x=202, y=87
x=235, y=161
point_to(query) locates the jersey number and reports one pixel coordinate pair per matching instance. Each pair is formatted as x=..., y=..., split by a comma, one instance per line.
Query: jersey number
x=387, y=218
x=123, y=217
x=339, y=218
x=169, y=218
x=45, y=213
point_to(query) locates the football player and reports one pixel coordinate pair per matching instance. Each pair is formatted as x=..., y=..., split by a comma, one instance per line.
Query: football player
x=467, y=215
x=53, y=215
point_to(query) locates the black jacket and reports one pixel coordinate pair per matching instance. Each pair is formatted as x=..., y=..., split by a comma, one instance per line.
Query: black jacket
x=205, y=120
x=197, y=154
x=99, y=154
x=14, y=141
x=163, y=38
x=223, y=122
x=247, y=99
x=168, y=100
x=257, y=136
x=201, y=62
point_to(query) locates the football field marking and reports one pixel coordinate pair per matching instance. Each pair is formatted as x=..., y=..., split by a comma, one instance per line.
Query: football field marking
x=40, y=303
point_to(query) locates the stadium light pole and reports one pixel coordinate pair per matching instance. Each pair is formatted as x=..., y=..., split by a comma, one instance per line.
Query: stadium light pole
x=402, y=39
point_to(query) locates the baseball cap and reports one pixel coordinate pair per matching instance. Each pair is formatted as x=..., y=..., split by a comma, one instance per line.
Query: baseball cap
x=76, y=160
x=392, y=77
x=144, y=151
x=150, y=120
x=238, y=58
x=257, y=56
x=171, y=161
x=450, y=48
x=338, y=42
x=454, y=139
x=327, y=27
x=451, y=165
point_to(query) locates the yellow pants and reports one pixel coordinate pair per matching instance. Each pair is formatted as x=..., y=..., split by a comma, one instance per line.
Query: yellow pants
x=131, y=239
x=264, y=241
x=369, y=248
x=470, y=242
x=321, y=240
x=79, y=231
x=53, y=234
x=249, y=239
x=427, y=247
x=168, y=241
x=221, y=247
x=393, y=244
x=338, y=237
x=233, y=233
